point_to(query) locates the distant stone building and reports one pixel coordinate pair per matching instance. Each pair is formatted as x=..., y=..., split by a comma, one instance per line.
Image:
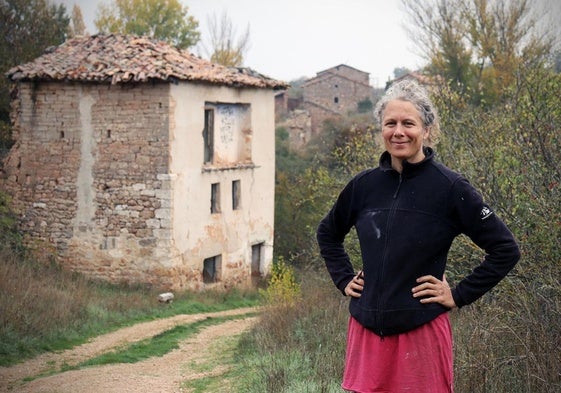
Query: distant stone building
x=299, y=127
x=281, y=105
x=334, y=92
x=142, y=163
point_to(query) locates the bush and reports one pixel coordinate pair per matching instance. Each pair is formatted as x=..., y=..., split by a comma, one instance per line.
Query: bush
x=282, y=289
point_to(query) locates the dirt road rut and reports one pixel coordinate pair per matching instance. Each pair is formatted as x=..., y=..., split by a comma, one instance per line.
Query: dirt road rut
x=157, y=374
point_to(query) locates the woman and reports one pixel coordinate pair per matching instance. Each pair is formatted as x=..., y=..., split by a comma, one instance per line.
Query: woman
x=407, y=212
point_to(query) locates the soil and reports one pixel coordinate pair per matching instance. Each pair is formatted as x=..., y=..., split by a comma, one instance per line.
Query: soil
x=156, y=374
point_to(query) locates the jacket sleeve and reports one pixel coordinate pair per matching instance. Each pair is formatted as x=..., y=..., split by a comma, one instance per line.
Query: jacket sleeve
x=488, y=232
x=331, y=234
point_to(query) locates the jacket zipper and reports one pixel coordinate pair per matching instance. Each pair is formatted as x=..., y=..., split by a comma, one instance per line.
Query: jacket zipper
x=393, y=209
x=398, y=187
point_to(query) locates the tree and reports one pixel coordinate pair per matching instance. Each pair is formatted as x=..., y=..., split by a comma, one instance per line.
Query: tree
x=78, y=26
x=438, y=30
x=400, y=71
x=510, y=152
x=478, y=44
x=165, y=20
x=224, y=48
x=27, y=28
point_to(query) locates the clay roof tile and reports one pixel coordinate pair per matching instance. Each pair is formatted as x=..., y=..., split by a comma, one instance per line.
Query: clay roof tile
x=125, y=58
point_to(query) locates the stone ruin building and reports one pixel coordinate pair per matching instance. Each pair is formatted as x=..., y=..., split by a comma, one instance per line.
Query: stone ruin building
x=141, y=163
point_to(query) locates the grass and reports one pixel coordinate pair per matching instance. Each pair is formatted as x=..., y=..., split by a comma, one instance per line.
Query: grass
x=297, y=346
x=43, y=308
x=219, y=366
x=156, y=346
x=507, y=341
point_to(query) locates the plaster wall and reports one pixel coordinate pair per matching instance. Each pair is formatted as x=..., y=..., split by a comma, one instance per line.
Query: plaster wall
x=245, y=137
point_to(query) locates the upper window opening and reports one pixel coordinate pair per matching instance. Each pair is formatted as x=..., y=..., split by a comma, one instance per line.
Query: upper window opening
x=227, y=134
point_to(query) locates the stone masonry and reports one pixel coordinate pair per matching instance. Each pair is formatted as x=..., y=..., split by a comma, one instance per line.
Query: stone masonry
x=80, y=185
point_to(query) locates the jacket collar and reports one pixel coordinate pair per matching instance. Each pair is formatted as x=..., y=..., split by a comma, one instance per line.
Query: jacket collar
x=409, y=169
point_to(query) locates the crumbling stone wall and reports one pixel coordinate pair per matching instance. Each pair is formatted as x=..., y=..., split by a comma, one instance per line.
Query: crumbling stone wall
x=88, y=175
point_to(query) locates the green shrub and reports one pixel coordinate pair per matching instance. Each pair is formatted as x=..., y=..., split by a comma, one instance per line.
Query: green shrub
x=282, y=289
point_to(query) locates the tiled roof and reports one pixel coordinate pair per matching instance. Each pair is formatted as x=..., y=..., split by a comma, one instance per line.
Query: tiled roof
x=126, y=58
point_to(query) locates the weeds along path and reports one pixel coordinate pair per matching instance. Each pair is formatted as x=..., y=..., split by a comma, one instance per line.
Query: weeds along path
x=155, y=374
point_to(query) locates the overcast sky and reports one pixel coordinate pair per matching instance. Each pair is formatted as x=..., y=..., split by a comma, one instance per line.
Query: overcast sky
x=290, y=39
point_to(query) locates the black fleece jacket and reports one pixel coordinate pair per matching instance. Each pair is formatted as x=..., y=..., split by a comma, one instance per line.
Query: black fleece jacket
x=406, y=224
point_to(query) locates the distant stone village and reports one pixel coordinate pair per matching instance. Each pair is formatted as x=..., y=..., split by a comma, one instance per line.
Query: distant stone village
x=334, y=92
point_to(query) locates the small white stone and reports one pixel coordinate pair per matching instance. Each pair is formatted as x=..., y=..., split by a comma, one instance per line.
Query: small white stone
x=166, y=297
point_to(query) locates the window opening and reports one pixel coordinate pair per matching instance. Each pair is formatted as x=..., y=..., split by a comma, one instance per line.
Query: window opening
x=257, y=259
x=211, y=269
x=208, y=136
x=236, y=195
x=215, y=198
x=336, y=100
x=227, y=134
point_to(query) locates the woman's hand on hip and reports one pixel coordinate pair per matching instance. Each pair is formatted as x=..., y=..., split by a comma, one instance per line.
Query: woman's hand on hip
x=355, y=286
x=432, y=290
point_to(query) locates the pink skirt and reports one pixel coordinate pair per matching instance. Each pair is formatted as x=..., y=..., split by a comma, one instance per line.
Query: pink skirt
x=418, y=361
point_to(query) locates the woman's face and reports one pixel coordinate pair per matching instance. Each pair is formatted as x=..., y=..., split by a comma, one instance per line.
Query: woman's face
x=403, y=133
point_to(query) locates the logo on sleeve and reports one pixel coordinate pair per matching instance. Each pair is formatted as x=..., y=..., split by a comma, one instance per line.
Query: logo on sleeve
x=486, y=212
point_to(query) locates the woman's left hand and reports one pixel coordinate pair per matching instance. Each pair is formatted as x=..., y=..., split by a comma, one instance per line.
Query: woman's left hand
x=432, y=290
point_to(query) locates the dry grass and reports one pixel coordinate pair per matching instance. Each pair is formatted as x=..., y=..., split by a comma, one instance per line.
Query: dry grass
x=298, y=346
x=507, y=342
x=510, y=342
x=44, y=308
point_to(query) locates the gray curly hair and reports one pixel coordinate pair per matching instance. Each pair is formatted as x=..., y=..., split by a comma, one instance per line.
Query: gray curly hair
x=411, y=91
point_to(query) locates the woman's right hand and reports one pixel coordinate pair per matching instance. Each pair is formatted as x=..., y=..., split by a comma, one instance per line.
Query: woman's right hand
x=355, y=286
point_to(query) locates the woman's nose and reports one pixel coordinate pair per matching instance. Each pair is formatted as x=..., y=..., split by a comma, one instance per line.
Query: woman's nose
x=398, y=130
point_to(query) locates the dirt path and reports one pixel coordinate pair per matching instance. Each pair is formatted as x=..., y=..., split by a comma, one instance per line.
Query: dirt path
x=158, y=374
